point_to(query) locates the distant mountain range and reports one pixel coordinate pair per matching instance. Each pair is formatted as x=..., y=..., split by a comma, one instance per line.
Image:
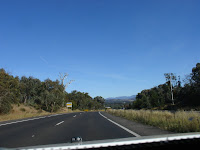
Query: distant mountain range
x=121, y=99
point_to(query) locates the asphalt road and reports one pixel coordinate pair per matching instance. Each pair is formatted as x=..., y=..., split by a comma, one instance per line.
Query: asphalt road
x=59, y=129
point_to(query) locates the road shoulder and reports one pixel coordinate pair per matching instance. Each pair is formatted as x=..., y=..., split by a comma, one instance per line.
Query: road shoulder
x=141, y=129
x=31, y=118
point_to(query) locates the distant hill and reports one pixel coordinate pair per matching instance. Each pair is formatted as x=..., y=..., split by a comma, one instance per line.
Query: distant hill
x=121, y=99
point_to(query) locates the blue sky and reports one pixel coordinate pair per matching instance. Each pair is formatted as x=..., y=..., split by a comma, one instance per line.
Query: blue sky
x=109, y=47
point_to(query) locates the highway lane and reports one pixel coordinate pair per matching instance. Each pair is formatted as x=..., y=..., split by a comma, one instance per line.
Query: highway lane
x=60, y=129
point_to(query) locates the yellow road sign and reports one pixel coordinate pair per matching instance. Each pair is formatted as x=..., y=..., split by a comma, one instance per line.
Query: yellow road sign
x=69, y=104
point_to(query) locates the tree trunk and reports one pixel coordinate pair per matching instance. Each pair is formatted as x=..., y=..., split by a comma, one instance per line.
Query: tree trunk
x=25, y=99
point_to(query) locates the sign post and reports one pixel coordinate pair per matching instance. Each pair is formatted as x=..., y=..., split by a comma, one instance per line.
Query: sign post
x=69, y=104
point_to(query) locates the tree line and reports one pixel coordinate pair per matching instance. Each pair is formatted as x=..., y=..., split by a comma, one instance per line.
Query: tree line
x=173, y=94
x=46, y=95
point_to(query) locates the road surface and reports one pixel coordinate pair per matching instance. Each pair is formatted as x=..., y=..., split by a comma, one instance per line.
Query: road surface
x=61, y=128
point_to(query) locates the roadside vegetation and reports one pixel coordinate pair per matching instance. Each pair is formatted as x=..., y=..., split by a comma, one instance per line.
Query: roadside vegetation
x=175, y=94
x=179, y=121
x=23, y=111
x=44, y=96
x=171, y=106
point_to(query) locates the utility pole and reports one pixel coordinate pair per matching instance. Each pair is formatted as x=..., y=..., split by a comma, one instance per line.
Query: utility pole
x=171, y=90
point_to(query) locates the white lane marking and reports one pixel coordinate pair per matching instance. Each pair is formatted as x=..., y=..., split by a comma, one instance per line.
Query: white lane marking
x=33, y=136
x=20, y=121
x=29, y=119
x=131, y=132
x=59, y=123
x=74, y=116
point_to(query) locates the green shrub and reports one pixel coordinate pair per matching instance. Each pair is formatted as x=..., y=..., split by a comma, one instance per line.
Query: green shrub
x=5, y=107
x=22, y=109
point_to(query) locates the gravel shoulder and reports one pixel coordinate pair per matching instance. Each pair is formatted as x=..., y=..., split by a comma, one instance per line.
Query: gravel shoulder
x=141, y=129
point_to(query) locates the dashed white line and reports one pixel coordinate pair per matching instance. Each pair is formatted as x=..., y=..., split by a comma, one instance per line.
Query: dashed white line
x=131, y=132
x=59, y=123
x=74, y=116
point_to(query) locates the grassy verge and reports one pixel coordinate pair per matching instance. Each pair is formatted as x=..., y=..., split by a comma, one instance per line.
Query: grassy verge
x=179, y=121
x=22, y=111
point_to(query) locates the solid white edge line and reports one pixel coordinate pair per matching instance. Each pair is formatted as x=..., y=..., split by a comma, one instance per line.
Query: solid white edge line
x=59, y=123
x=131, y=132
x=28, y=119
x=20, y=121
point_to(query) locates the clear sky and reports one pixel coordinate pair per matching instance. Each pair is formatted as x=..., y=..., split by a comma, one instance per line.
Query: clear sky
x=109, y=47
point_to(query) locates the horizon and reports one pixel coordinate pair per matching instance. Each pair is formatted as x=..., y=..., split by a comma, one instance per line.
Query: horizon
x=110, y=48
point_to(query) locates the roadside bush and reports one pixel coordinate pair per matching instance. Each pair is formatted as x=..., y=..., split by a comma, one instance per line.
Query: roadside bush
x=9, y=91
x=5, y=107
x=22, y=109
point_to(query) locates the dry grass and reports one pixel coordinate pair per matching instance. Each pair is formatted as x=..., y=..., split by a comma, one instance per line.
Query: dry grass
x=22, y=111
x=179, y=121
